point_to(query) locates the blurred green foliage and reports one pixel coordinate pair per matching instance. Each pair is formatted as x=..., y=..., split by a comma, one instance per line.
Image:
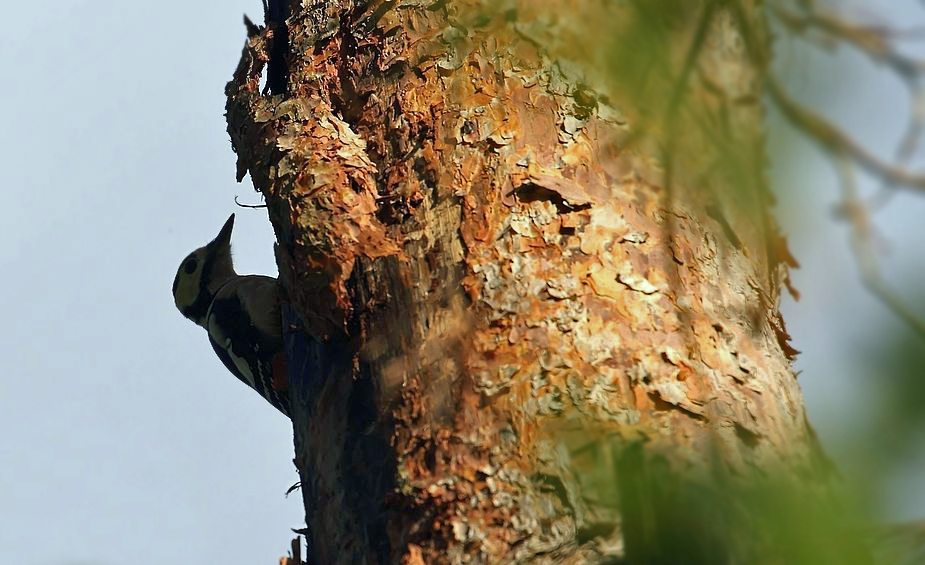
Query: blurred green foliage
x=725, y=518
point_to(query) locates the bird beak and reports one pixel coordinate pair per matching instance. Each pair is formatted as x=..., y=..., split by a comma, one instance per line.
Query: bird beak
x=223, y=239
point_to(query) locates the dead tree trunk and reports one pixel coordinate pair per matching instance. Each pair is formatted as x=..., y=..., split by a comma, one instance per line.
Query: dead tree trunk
x=502, y=286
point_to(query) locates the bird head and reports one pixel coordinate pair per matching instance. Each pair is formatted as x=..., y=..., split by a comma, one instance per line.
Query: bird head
x=202, y=273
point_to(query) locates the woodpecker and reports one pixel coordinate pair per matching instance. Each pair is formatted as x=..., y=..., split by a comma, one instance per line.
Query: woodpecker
x=240, y=313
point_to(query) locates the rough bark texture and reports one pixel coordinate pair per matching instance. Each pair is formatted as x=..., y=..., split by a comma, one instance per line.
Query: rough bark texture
x=493, y=292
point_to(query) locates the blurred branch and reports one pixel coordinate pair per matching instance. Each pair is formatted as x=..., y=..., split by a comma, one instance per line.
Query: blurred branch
x=862, y=239
x=873, y=41
x=837, y=142
x=876, y=43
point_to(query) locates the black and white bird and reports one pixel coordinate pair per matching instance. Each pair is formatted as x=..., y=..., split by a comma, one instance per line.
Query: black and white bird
x=240, y=313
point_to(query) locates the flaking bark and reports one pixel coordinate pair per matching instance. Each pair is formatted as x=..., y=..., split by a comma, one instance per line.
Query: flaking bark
x=495, y=288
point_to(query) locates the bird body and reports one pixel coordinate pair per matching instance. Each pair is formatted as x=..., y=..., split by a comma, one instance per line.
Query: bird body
x=241, y=314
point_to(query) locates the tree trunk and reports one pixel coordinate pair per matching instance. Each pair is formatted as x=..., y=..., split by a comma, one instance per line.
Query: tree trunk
x=516, y=284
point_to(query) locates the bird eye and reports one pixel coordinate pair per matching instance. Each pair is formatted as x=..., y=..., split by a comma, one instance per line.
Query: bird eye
x=190, y=265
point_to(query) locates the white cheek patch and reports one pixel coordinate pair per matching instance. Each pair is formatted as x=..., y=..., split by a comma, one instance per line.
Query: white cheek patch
x=187, y=288
x=188, y=291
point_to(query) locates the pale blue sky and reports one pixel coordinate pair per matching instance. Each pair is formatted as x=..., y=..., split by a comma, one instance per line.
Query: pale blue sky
x=124, y=438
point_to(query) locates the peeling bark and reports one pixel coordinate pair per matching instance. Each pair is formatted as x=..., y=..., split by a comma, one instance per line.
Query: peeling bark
x=494, y=290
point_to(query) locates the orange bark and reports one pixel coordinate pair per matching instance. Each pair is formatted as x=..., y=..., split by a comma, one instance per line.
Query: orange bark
x=500, y=289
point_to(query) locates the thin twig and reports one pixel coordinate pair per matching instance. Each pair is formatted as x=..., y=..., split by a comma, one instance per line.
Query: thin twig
x=906, y=148
x=837, y=142
x=874, y=42
x=248, y=205
x=862, y=235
